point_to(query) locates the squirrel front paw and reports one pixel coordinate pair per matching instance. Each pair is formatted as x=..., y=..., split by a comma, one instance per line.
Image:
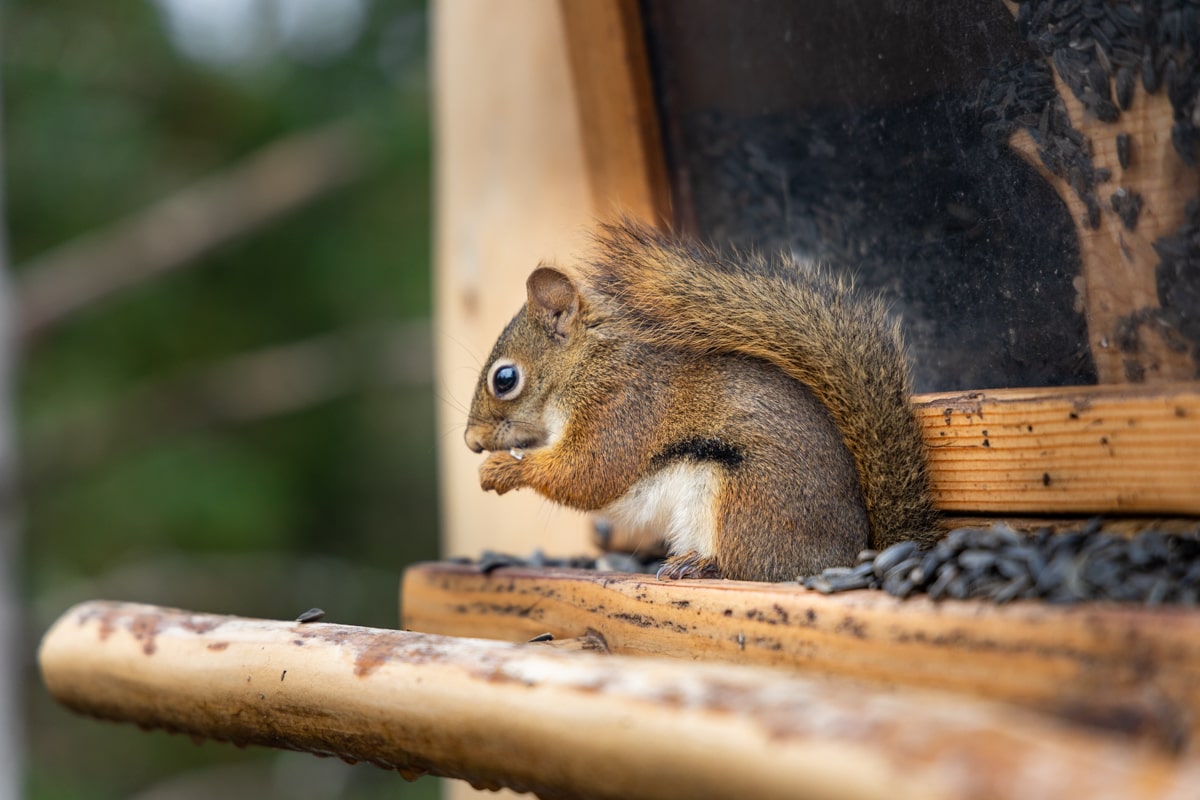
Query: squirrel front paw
x=688, y=565
x=500, y=472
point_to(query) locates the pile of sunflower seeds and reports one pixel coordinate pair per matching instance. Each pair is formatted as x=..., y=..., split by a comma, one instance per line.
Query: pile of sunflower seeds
x=996, y=563
x=1023, y=96
x=1178, y=274
x=1099, y=49
x=491, y=560
x=1001, y=564
x=1098, y=45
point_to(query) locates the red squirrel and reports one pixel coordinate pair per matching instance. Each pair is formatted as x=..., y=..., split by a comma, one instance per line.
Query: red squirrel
x=756, y=412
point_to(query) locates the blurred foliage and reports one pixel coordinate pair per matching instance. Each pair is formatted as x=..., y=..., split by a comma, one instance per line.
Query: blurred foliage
x=322, y=506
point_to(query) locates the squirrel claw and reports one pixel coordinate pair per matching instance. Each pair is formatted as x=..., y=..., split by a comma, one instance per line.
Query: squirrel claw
x=688, y=565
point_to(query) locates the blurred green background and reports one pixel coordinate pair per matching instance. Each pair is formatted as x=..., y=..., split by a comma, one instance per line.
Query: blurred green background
x=251, y=432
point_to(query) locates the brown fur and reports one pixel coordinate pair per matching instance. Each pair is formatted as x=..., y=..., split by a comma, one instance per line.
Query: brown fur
x=657, y=344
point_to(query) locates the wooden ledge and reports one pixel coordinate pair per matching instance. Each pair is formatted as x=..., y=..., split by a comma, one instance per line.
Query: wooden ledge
x=1125, y=668
x=571, y=724
x=1083, y=449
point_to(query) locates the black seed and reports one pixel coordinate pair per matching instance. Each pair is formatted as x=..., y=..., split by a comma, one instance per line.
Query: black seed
x=1103, y=108
x=1101, y=573
x=490, y=562
x=866, y=569
x=929, y=566
x=1148, y=548
x=1093, y=212
x=958, y=587
x=976, y=560
x=1127, y=205
x=1125, y=83
x=312, y=615
x=848, y=582
x=1001, y=534
x=1185, y=137
x=1011, y=567
x=905, y=567
x=893, y=556
x=956, y=539
x=602, y=532
x=946, y=573
x=820, y=584
x=1123, y=150
x=1097, y=80
x=1171, y=248
x=1149, y=72
x=1123, y=57
x=1015, y=588
x=1176, y=88
x=1125, y=16
x=1159, y=592
x=1101, y=51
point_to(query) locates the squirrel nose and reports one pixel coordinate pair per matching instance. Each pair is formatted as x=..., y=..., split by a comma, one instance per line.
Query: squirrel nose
x=473, y=441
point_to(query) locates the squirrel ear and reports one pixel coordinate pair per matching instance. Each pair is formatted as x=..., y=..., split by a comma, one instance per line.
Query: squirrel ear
x=554, y=299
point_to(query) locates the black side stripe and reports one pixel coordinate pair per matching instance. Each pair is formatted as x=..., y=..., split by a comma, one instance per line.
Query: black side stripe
x=698, y=449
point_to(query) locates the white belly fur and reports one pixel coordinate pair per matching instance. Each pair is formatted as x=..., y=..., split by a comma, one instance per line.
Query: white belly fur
x=676, y=502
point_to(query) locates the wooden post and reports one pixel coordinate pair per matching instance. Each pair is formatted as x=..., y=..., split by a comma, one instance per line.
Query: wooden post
x=615, y=102
x=511, y=189
x=545, y=123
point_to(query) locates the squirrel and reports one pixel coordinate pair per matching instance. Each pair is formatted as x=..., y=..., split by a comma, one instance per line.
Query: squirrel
x=755, y=411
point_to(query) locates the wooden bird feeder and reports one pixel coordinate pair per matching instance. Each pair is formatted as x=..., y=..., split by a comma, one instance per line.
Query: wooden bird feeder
x=956, y=161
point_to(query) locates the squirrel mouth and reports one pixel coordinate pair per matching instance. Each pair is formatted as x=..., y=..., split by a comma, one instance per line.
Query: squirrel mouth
x=519, y=441
x=515, y=445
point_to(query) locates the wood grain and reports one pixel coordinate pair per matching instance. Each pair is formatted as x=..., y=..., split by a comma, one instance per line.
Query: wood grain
x=571, y=724
x=1130, y=669
x=1102, y=449
x=615, y=102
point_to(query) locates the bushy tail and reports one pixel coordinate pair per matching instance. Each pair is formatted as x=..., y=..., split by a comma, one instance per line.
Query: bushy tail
x=812, y=325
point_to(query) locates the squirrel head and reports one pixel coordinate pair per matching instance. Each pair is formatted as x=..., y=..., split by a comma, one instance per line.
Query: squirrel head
x=525, y=389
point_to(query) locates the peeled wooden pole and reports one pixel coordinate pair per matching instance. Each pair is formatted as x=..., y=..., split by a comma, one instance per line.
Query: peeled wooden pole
x=572, y=724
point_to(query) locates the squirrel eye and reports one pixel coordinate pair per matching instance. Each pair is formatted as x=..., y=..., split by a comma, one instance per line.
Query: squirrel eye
x=505, y=380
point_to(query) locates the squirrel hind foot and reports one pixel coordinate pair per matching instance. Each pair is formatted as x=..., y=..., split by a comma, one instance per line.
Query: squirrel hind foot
x=688, y=565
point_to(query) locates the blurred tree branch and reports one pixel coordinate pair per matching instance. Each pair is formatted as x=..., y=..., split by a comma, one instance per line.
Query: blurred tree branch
x=244, y=388
x=175, y=232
